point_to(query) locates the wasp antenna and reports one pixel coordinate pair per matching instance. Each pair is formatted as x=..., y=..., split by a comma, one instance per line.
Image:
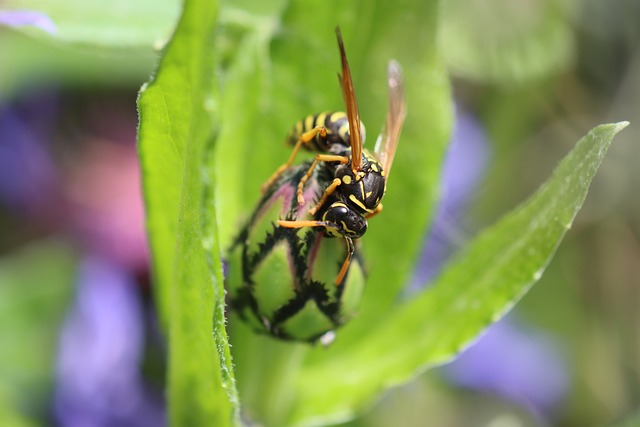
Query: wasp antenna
x=349, y=95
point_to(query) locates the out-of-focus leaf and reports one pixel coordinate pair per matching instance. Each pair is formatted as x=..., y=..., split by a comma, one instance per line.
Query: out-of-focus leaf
x=176, y=136
x=10, y=417
x=29, y=64
x=476, y=289
x=35, y=289
x=505, y=41
x=87, y=43
x=117, y=23
x=631, y=421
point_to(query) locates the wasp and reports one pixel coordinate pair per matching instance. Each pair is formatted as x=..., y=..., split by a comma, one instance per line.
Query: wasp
x=305, y=224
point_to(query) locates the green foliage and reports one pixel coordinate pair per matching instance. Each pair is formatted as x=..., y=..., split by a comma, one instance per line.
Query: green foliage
x=35, y=288
x=120, y=36
x=205, y=153
x=508, y=42
x=231, y=82
x=123, y=24
x=44, y=63
x=631, y=421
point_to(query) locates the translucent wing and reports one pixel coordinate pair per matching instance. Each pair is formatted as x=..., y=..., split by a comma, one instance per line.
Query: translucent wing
x=346, y=84
x=387, y=142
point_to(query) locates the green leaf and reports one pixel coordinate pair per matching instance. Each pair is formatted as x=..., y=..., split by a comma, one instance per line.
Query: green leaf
x=117, y=23
x=88, y=38
x=477, y=288
x=176, y=137
x=29, y=63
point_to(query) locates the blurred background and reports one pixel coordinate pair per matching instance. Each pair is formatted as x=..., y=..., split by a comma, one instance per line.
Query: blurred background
x=79, y=344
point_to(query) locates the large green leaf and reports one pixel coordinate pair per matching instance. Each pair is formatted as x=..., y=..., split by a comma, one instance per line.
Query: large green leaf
x=176, y=135
x=476, y=289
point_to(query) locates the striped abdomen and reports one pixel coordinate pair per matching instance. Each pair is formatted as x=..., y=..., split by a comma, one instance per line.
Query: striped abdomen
x=336, y=124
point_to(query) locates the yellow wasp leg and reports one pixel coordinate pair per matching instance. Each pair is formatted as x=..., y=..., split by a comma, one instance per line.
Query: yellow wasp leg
x=301, y=224
x=329, y=191
x=347, y=239
x=375, y=212
x=347, y=261
x=304, y=139
x=319, y=158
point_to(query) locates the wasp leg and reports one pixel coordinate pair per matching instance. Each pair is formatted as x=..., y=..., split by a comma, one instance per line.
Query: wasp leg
x=326, y=224
x=375, y=212
x=329, y=191
x=304, y=139
x=347, y=261
x=302, y=224
x=319, y=158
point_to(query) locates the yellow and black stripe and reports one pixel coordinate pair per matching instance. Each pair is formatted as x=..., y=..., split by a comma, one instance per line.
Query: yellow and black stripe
x=336, y=124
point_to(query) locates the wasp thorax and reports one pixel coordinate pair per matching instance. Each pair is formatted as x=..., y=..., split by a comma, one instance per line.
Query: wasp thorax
x=364, y=189
x=348, y=222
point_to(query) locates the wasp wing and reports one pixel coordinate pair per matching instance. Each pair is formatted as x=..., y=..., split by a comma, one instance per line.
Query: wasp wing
x=349, y=95
x=387, y=142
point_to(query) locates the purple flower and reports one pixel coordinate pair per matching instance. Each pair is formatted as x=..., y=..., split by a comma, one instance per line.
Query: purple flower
x=29, y=182
x=22, y=18
x=519, y=364
x=99, y=382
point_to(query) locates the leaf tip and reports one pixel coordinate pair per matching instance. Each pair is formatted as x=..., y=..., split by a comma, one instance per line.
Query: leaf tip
x=620, y=125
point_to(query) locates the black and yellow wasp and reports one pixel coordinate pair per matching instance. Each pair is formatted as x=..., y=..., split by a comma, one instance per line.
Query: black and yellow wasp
x=288, y=274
